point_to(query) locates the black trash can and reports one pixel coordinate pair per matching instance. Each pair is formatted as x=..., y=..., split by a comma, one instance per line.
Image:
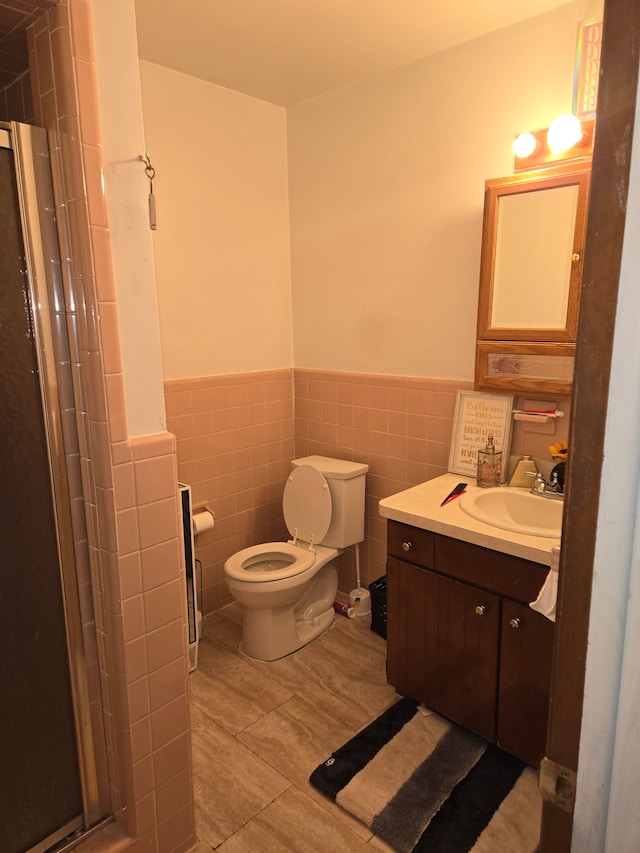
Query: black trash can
x=378, y=590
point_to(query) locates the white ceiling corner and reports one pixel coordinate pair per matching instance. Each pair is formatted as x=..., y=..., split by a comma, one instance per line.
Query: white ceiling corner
x=288, y=51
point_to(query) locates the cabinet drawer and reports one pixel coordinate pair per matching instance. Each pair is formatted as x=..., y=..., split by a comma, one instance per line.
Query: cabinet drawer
x=410, y=543
x=503, y=574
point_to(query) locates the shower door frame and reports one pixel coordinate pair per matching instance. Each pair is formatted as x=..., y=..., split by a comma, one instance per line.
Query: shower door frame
x=36, y=206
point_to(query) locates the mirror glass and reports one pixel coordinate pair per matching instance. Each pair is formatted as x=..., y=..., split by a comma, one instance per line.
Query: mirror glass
x=534, y=244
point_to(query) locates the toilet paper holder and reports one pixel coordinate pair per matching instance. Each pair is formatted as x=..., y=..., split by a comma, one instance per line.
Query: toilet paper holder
x=202, y=518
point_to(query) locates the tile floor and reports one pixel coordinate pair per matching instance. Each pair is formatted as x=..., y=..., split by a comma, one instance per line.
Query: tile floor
x=259, y=729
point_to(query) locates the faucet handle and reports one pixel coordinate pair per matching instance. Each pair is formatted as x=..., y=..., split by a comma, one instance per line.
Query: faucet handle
x=554, y=485
x=540, y=486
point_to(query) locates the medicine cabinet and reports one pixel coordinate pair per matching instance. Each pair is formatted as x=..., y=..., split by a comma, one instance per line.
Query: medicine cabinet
x=530, y=275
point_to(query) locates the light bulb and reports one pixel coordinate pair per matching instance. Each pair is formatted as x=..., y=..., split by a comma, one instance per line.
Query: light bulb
x=564, y=132
x=524, y=145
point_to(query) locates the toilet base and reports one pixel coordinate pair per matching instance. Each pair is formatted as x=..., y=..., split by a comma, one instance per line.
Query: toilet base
x=272, y=633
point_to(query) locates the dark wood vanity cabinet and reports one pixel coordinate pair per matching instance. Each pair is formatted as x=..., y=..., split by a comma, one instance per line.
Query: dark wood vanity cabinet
x=462, y=639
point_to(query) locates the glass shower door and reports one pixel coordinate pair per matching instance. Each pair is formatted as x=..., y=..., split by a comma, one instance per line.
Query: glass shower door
x=40, y=782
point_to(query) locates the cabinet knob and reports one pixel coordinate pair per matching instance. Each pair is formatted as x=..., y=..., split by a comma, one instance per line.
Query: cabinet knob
x=407, y=546
x=514, y=623
x=480, y=610
x=575, y=257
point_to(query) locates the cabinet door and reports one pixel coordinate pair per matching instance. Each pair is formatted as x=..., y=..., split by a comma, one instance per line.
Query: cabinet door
x=526, y=650
x=442, y=645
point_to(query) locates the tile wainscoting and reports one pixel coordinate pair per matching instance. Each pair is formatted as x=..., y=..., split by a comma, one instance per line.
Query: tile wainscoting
x=236, y=435
x=235, y=444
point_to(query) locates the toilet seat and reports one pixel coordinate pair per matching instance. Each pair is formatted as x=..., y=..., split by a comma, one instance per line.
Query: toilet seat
x=307, y=512
x=252, y=564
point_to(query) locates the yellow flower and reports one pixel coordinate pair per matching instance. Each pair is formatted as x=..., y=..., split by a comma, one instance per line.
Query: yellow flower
x=559, y=450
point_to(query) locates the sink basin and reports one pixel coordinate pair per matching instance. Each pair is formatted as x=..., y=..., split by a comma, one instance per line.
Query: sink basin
x=515, y=510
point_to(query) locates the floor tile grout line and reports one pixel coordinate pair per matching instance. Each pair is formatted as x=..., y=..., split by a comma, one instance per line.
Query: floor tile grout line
x=295, y=683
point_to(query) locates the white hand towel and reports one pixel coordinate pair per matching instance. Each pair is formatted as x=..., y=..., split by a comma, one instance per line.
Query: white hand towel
x=545, y=603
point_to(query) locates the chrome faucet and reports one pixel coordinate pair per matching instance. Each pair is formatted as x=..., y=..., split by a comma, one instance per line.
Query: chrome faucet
x=552, y=490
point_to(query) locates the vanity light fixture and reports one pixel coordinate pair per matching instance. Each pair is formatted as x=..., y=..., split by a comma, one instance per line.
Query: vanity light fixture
x=567, y=138
x=525, y=145
x=564, y=133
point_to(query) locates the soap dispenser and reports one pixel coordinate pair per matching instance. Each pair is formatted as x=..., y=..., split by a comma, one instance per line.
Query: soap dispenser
x=489, y=465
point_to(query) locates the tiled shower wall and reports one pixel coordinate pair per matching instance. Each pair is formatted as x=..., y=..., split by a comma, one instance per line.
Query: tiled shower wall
x=130, y=509
x=236, y=440
x=15, y=100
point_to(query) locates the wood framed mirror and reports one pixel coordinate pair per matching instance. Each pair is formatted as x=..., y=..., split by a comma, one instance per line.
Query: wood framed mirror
x=530, y=274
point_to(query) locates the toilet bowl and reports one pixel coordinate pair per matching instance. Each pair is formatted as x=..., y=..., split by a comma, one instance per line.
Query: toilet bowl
x=287, y=589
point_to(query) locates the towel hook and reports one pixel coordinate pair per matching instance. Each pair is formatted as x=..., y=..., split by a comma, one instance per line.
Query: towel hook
x=150, y=172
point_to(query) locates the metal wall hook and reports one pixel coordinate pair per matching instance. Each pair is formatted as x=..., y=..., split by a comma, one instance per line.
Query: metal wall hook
x=150, y=172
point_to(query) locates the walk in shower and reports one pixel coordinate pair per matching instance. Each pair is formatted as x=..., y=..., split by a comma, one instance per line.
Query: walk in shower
x=52, y=751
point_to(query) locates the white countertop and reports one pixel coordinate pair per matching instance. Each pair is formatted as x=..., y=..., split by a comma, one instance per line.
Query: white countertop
x=420, y=507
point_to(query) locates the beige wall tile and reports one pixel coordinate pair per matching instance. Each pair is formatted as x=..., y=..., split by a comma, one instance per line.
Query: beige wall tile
x=138, y=699
x=101, y=246
x=141, y=739
x=63, y=72
x=94, y=185
x=157, y=522
x=166, y=683
x=70, y=148
x=166, y=645
x=135, y=659
x=163, y=604
x=172, y=758
x=88, y=105
x=173, y=795
x=155, y=478
x=116, y=411
x=133, y=618
x=127, y=527
x=176, y=834
x=81, y=31
x=160, y=563
x=130, y=574
x=169, y=722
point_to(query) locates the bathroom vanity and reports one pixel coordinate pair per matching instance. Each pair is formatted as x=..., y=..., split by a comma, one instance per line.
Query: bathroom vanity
x=461, y=637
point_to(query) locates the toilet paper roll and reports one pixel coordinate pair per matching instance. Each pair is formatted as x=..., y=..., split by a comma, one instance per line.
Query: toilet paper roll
x=202, y=521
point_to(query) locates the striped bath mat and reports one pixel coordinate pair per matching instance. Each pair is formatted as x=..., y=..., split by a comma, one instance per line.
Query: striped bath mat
x=422, y=783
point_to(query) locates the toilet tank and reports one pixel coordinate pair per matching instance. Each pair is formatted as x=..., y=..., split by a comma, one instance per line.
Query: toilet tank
x=346, y=482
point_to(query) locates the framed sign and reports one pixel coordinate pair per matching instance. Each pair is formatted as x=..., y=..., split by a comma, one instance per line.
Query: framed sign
x=587, y=68
x=476, y=417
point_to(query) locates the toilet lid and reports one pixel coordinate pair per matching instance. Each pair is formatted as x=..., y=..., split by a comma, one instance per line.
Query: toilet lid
x=307, y=504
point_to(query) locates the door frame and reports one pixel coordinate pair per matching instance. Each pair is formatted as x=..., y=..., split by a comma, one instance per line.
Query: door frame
x=588, y=476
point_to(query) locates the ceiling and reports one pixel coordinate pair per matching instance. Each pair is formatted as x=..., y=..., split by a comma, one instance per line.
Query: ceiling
x=287, y=51
x=15, y=17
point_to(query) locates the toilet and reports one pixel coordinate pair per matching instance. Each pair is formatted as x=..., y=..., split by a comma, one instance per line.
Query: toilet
x=287, y=589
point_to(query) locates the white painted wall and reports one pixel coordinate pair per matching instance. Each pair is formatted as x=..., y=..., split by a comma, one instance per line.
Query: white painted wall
x=222, y=243
x=126, y=189
x=386, y=186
